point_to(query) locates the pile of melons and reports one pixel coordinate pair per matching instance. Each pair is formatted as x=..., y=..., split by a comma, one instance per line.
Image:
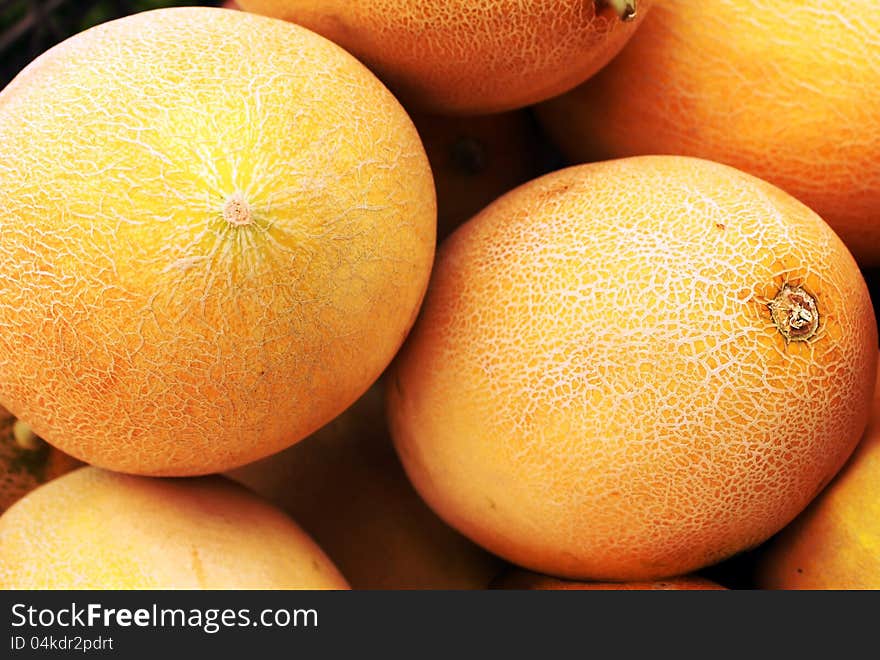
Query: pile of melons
x=417, y=294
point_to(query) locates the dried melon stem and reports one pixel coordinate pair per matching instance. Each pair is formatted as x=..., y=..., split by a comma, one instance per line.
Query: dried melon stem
x=626, y=9
x=795, y=313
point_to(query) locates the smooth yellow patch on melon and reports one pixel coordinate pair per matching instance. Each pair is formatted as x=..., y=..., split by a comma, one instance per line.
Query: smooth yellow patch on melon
x=93, y=529
x=216, y=229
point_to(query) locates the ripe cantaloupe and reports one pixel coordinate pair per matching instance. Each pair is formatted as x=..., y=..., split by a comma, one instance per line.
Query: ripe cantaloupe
x=471, y=56
x=94, y=529
x=206, y=253
x=633, y=369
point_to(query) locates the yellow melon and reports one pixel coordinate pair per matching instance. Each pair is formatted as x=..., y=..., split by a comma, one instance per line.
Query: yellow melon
x=93, y=529
x=216, y=229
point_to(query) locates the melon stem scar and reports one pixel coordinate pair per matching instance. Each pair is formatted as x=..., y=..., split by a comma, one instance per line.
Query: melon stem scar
x=795, y=313
x=237, y=211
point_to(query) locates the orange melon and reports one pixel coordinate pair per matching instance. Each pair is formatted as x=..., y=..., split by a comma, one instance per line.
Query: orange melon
x=835, y=543
x=345, y=486
x=789, y=93
x=526, y=580
x=206, y=253
x=93, y=529
x=471, y=56
x=634, y=369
